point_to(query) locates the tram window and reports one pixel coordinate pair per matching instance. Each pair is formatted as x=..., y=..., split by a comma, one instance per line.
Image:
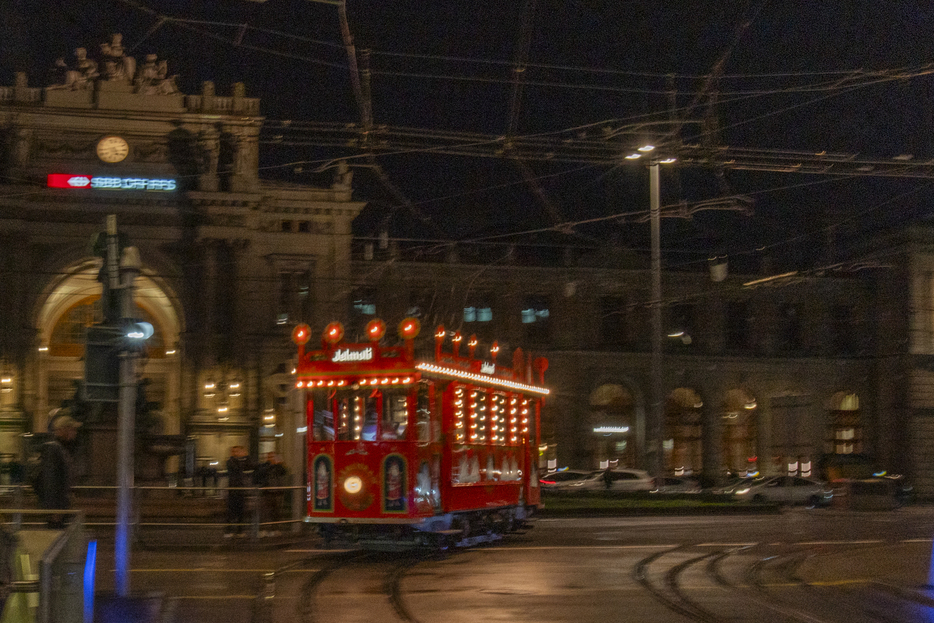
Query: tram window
x=395, y=417
x=324, y=425
x=322, y=421
x=423, y=413
x=371, y=417
x=348, y=426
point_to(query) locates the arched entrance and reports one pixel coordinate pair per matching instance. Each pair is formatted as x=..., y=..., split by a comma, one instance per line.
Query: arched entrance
x=612, y=416
x=683, y=432
x=739, y=433
x=72, y=304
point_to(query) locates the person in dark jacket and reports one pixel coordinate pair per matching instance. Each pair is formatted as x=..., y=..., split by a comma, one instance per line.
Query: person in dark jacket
x=272, y=473
x=56, y=469
x=239, y=467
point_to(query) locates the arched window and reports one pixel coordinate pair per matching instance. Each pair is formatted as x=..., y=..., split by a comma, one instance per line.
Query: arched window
x=683, y=432
x=68, y=336
x=611, y=421
x=739, y=433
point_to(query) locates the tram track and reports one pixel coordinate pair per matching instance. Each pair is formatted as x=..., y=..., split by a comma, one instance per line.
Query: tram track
x=853, y=603
x=768, y=588
x=377, y=587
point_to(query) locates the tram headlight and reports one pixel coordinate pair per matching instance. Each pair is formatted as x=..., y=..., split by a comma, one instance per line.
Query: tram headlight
x=353, y=484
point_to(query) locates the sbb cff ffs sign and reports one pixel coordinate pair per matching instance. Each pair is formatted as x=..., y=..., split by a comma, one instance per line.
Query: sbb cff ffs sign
x=98, y=182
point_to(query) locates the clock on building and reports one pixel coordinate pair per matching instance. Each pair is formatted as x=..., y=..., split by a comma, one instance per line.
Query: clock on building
x=112, y=149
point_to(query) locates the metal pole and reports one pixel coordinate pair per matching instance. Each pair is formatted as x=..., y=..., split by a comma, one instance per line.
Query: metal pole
x=656, y=428
x=126, y=421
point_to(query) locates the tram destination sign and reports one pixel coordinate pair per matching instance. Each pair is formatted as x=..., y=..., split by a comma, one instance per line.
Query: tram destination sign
x=100, y=182
x=343, y=355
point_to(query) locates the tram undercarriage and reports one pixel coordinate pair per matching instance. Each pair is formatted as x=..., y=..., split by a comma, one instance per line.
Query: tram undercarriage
x=459, y=529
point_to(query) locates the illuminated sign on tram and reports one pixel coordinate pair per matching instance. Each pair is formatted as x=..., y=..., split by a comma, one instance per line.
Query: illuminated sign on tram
x=66, y=180
x=488, y=368
x=342, y=355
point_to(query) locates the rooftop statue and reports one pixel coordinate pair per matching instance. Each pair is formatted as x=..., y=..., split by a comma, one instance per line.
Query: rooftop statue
x=149, y=78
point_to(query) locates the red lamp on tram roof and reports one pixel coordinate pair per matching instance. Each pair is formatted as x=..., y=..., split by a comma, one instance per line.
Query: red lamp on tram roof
x=494, y=350
x=333, y=333
x=472, y=345
x=375, y=330
x=409, y=328
x=457, y=341
x=301, y=334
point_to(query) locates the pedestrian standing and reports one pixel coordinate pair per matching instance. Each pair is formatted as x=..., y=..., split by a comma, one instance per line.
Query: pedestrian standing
x=269, y=475
x=238, y=468
x=56, y=469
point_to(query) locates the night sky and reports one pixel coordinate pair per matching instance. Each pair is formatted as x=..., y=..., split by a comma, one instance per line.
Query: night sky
x=843, y=76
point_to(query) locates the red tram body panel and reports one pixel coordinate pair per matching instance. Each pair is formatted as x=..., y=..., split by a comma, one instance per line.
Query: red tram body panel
x=403, y=447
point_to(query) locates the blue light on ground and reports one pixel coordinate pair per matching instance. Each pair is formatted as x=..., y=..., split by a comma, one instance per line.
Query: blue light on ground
x=90, y=565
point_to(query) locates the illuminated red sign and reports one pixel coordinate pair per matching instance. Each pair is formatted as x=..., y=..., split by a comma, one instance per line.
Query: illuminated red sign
x=97, y=182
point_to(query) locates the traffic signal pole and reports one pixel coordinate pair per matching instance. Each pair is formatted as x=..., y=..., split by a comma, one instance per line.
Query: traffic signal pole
x=126, y=420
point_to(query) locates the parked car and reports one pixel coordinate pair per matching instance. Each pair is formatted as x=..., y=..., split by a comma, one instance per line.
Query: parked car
x=677, y=484
x=783, y=490
x=620, y=480
x=562, y=479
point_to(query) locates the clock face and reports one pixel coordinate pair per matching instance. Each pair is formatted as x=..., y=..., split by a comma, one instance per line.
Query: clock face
x=112, y=149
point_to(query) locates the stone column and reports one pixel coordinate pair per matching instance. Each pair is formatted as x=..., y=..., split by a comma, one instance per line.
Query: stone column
x=239, y=298
x=209, y=302
x=210, y=146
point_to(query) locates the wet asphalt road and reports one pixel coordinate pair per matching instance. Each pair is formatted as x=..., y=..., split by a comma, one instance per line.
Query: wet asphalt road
x=813, y=566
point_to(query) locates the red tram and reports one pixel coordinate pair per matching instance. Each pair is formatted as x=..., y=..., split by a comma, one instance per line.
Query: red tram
x=422, y=451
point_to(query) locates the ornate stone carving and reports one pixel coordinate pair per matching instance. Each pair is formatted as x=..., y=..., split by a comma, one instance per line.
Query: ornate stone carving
x=113, y=65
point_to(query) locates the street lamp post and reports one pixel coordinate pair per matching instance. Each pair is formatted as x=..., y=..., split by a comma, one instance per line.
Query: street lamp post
x=658, y=412
x=655, y=429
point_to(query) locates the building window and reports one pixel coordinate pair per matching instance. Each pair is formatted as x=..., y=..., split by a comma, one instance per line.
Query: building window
x=612, y=322
x=737, y=325
x=789, y=329
x=536, y=319
x=680, y=329
x=362, y=310
x=843, y=330
x=478, y=309
x=420, y=304
x=295, y=300
x=286, y=225
x=303, y=226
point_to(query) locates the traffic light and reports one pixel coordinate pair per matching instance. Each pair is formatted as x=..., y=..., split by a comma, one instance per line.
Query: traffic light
x=102, y=364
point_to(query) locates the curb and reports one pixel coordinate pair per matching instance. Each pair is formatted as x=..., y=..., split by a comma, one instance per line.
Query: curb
x=763, y=509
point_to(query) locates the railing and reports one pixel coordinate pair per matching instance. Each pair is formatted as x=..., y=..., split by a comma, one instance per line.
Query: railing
x=59, y=592
x=181, y=507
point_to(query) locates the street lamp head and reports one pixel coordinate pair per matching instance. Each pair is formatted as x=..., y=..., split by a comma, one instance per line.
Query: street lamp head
x=633, y=156
x=647, y=148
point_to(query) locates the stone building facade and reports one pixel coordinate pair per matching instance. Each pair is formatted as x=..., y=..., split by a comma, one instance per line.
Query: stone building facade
x=766, y=376
x=229, y=262
x=761, y=377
